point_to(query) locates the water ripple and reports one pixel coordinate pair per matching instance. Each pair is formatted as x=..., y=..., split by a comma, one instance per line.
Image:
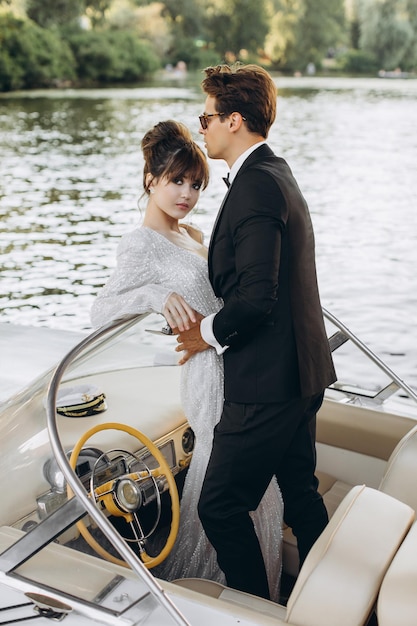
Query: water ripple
x=70, y=181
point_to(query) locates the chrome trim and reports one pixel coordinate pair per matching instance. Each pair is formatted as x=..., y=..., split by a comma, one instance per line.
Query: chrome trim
x=76, y=485
x=344, y=335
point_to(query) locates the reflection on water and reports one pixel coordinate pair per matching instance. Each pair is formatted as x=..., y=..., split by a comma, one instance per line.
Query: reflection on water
x=70, y=181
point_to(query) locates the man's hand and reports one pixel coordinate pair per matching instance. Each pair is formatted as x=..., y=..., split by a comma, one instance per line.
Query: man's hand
x=190, y=341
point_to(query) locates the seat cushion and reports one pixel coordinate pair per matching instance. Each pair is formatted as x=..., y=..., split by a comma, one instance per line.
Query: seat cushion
x=397, y=602
x=401, y=465
x=341, y=576
x=333, y=492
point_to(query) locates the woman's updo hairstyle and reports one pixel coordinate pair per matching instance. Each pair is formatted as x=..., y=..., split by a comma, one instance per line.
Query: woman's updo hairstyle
x=170, y=152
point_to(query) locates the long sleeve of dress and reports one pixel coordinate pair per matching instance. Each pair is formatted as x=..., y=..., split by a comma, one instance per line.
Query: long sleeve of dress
x=135, y=285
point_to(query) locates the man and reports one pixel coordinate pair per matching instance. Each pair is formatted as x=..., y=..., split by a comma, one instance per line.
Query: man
x=277, y=361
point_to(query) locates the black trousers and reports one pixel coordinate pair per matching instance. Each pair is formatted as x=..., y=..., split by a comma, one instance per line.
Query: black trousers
x=252, y=443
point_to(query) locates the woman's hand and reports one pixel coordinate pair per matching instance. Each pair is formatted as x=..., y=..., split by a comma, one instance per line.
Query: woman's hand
x=178, y=313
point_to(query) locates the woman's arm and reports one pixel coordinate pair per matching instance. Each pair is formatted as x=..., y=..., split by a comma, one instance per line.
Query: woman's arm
x=134, y=287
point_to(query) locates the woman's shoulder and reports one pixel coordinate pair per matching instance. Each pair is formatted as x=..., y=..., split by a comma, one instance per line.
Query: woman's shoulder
x=135, y=237
x=136, y=244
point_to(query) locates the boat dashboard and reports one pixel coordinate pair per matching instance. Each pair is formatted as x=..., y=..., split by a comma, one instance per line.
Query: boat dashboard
x=125, y=380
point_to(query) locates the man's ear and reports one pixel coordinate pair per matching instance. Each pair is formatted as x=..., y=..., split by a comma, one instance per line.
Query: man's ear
x=235, y=121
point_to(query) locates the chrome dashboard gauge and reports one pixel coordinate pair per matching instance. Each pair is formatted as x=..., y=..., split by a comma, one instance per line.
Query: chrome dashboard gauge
x=53, y=474
x=85, y=464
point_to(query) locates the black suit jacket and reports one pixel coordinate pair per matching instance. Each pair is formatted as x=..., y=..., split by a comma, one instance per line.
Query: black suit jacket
x=262, y=263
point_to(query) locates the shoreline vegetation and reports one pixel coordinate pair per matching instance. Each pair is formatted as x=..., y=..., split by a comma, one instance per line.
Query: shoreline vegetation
x=100, y=43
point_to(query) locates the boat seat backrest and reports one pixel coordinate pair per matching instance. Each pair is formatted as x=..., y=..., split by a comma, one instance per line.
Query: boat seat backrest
x=341, y=576
x=333, y=492
x=397, y=601
x=395, y=482
x=402, y=465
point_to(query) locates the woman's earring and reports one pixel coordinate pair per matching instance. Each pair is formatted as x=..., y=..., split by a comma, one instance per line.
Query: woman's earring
x=151, y=190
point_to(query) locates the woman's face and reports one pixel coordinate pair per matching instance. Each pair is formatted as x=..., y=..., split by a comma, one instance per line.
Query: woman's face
x=174, y=198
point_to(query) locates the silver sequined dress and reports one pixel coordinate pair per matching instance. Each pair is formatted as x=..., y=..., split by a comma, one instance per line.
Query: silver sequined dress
x=149, y=268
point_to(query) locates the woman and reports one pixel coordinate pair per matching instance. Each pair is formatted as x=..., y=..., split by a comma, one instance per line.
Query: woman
x=162, y=267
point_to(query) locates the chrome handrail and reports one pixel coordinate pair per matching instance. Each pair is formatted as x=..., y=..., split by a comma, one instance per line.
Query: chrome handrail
x=391, y=388
x=76, y=485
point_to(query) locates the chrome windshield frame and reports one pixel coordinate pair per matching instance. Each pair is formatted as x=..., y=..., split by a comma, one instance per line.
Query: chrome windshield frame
x=75, y=483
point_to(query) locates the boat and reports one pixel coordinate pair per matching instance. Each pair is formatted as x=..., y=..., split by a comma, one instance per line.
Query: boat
x=397, y=73
x=94, y=454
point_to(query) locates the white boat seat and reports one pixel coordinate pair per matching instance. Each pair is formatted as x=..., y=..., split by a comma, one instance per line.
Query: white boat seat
x=395, y=482
x=397, y=601
x=341, y=576
x=333, y=492
x=401, y=465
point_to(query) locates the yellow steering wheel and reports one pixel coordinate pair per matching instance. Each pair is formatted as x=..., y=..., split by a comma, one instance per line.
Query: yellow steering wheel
x=121, y=496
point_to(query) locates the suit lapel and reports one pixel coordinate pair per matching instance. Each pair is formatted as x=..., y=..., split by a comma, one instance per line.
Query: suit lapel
x=260, y=153
x=218, y=217
x=213, y=233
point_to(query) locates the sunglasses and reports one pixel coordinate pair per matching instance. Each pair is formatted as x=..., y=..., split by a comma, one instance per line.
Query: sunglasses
x=204, y=119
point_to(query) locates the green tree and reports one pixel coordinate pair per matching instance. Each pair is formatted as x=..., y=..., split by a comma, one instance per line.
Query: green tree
x=48, y=13
x=96, y=11
x=354, y=25
x=386, y=32
x=410, y=56
x=281, y=38
x=237, y=25
x=320, y=29
x=146, y=21
x=303, y=31
x=112, y=56
x=31, y=56
x=184, y=20
x=185, y=16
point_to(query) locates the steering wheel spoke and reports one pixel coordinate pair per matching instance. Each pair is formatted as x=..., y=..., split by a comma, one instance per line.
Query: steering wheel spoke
x=124, y=495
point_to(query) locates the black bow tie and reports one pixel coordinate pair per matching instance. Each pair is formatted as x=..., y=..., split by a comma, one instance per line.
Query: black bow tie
x=227, y=181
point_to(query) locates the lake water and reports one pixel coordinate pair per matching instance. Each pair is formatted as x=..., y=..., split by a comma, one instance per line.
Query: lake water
x=70, y=181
